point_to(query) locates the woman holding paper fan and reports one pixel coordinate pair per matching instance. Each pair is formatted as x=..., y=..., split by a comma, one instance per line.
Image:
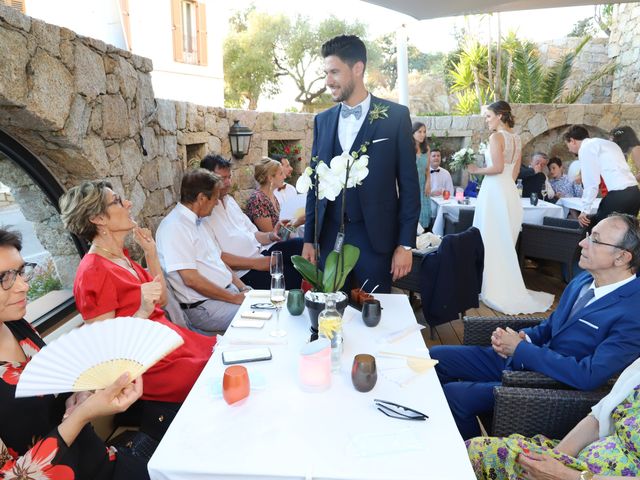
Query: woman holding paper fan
x=49, y=436
x=110, y=284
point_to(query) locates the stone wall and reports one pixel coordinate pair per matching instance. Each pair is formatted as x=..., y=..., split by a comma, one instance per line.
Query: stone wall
x=624, y=47
x=592, y=57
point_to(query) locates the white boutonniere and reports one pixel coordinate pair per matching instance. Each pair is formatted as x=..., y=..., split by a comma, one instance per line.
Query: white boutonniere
x=378, y=111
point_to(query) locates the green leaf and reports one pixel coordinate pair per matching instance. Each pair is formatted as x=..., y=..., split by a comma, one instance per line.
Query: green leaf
x=350, y=255
x=308, y=271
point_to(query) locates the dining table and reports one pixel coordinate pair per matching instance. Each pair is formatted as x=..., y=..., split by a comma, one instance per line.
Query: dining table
x=531, y=213
x=284, y=431
x=575, y=203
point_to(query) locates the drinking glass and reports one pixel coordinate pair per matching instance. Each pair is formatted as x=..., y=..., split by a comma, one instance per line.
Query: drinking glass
x=276, y=265
x=363, y=372
x=371, y=312
x=295, y=302
x=235, y=384
x=277, y=298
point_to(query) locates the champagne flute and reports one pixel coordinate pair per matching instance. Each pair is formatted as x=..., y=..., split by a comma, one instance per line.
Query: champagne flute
x=276, y=266
x=277, y=298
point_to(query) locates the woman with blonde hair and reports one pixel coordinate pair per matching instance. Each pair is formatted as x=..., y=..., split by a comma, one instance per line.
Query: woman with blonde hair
x=263, y=207
x=109, y=283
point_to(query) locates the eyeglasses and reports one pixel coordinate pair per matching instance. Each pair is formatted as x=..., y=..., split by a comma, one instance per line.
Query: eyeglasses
x=8, y=278
x=400, y=412
x=595, y=241
x=117, y=200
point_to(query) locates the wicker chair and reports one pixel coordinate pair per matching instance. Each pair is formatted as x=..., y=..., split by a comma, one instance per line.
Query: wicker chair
x=528, y=402
x=556, y=239
x=465, y=220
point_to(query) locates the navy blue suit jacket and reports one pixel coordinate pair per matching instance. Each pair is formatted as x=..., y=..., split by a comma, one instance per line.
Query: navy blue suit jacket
x=390, y=195
x=585, y=350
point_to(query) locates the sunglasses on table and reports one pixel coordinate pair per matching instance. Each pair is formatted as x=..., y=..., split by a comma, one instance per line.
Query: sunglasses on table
x=400, y=412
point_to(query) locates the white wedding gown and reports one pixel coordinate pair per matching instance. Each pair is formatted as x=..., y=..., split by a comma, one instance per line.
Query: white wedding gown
x=498, y=216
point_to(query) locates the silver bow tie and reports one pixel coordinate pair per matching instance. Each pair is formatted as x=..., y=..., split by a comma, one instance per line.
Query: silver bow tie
x=355, y=111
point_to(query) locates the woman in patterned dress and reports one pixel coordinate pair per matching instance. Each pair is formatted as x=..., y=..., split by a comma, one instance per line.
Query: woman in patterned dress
x=262, y=207
x=50, y=436
x=605, y=444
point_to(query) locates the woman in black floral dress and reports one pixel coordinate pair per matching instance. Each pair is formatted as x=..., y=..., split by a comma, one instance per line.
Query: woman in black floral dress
x=50, y=437
x=262, y=206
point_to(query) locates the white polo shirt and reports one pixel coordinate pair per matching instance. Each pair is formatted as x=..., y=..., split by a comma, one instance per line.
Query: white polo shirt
x=184, y=245
x=288, y=192
x=233, y=230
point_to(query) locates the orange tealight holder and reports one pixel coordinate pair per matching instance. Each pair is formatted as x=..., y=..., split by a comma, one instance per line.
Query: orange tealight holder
x=235, y=384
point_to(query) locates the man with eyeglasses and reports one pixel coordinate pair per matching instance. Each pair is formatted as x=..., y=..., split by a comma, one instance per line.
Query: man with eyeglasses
x=593, y=334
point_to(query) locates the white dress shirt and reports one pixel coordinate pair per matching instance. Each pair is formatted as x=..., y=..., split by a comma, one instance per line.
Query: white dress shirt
x=289, y=191
x=233, y=230
x=349, y=127
x=184, y=245
x=599, y=157
x=441, y=180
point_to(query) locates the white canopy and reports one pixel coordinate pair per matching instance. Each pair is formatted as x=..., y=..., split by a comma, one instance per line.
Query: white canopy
x=426, y=9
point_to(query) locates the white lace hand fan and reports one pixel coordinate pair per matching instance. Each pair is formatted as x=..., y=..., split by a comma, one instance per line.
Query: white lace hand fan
x=95, y=355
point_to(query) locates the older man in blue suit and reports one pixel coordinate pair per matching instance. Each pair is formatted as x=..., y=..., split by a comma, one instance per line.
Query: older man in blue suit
x=382, y=213
x=593, y=334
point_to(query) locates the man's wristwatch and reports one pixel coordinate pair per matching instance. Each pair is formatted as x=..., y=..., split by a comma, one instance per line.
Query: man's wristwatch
x=586, y=475
x=405, y=247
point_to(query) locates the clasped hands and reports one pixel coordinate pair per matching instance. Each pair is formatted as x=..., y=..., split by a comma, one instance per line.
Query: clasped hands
x=504, y=342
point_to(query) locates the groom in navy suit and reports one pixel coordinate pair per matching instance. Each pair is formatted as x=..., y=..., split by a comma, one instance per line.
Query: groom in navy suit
x=382, y=213
x=593, y=334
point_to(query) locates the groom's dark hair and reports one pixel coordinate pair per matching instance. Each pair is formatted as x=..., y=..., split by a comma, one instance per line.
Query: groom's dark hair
x=348, y=48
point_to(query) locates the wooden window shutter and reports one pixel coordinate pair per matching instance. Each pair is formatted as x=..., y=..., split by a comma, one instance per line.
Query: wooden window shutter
x=201, y=15
x=126, y=21
x=176, y=18
x=16, y=4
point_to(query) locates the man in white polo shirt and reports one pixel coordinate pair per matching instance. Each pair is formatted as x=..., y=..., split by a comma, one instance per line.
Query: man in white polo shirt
x=208, y=291
x=600, y=158
x=244, y=248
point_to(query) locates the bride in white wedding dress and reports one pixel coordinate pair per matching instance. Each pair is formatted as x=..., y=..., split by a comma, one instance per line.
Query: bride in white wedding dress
x=498, y=216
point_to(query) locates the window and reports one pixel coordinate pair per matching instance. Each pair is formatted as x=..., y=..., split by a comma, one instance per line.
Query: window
x=189, y=32
x=17, y=4
x=28, y=203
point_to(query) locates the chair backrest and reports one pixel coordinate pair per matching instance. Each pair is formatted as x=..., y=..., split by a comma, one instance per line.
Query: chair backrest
x=561, y=222
x=172, y=308
x=533, y=184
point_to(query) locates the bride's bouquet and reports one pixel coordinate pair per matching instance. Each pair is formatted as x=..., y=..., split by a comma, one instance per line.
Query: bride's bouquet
x=462, y=159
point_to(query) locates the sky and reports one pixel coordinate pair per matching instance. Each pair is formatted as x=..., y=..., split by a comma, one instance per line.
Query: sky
x=428, y=35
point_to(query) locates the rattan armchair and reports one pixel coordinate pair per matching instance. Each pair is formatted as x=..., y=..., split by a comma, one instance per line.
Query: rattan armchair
x=528, y=402
x=464, y=221
x=556, y=239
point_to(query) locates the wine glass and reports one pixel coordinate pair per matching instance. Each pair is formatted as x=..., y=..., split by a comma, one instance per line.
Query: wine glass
x=276, y=265
x=277, y=298
x=543, y=192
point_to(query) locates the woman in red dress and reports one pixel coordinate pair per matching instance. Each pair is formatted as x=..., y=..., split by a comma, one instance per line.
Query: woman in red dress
x=110, y=284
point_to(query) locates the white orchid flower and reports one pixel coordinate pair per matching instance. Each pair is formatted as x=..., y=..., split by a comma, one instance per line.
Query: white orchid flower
x=359, y=171
x=304, y=181
x=329, y=186
x=339, y=165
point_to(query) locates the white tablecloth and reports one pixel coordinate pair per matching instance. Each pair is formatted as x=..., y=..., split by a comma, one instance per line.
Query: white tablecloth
x=531, y=214
x=575, y=203
x=281, y=431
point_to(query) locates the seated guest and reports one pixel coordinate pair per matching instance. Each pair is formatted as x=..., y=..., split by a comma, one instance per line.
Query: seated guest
x=593, y=334
x=110, y=284
x=208, y=291
x=562, y=186
x=603, y=445
x=602, y=159
x=244, y=248
x=263, y=207
x=288, y=192
x=534, y=178
x=440, y=177
x=50, y=436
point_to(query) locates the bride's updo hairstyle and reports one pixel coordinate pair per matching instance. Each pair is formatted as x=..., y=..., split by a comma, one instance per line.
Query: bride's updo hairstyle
x=503, y=110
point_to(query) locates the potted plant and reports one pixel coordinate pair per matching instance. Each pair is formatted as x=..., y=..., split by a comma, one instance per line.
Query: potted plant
x=344, y=171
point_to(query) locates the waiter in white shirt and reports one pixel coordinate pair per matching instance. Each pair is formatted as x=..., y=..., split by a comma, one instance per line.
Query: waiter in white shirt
x=440, y=177
x=602, y=158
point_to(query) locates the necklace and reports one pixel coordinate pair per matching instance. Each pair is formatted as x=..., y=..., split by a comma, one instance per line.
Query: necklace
x=120, y=257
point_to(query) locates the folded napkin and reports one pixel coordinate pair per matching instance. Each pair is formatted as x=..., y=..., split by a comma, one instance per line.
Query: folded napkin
x=400, y=334
x=427, y=240
x=254, y=341
x=258, y=294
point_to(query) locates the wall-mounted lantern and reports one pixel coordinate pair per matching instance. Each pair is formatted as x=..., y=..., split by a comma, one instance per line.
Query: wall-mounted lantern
x=240, y=139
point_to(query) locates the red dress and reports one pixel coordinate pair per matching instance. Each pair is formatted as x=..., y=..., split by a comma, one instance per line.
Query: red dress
x=101, y=286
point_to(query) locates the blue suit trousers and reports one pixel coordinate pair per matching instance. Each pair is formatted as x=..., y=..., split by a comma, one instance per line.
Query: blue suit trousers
x=468, y=375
